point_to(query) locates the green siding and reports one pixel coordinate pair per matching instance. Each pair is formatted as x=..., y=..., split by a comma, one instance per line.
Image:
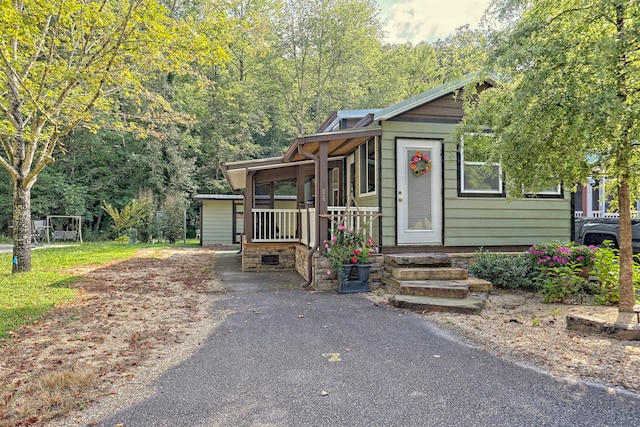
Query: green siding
x=216, y=222
x=470, y=221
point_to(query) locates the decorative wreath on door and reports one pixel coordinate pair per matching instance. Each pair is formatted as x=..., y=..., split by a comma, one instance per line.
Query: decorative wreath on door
x=420, y=163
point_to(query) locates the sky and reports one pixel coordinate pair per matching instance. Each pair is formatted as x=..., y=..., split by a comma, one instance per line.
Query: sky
x=428, y=20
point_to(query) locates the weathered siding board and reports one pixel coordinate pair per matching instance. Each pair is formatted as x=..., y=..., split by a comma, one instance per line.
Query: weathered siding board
x=500, y=228
x=535, y=213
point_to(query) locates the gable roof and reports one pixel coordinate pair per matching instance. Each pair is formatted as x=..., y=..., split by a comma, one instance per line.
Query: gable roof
x=427, y=96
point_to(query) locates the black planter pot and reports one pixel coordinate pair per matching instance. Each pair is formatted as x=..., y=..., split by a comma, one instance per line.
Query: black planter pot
x=362, y=272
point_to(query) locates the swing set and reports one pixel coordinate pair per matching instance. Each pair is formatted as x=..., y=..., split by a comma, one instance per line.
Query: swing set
x=64, y=227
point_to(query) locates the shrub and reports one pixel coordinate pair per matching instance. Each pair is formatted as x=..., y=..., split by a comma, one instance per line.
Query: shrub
x=559, y=267
x=559, y=282
x=504, y=271
x=553, y=254
x=606, y=272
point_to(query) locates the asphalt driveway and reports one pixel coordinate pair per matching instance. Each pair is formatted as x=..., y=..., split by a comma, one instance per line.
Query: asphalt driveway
x=289, y=357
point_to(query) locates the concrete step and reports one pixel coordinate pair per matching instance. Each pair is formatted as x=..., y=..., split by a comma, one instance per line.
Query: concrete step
x=424, y=273
x=472, y=304
x=417, y=260
x=434, y=288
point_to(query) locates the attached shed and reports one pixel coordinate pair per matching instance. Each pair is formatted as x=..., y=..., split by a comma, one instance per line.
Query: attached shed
x=221, y=216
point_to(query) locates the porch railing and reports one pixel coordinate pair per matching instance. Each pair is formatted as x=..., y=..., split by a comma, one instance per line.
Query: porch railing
x=281, y=225
x=275, y=225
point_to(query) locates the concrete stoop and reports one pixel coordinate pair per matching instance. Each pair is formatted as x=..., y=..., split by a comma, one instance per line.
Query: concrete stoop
x=427, y=282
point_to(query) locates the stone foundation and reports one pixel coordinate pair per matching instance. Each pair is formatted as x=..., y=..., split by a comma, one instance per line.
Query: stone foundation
x=260, y=256
x=301, y=261
x=463, y=260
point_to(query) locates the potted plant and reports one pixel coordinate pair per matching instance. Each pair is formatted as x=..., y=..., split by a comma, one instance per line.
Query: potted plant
x=348, y=248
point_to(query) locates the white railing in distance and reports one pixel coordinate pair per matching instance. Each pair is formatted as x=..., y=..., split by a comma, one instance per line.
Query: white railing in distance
x=275, y=225
x=598, y=214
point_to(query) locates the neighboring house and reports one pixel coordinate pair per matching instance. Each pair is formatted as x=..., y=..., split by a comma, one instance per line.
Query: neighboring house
x=591, y=201
x=455, y=202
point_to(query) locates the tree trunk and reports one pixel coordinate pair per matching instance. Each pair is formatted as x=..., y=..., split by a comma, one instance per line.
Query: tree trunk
x=21, y=228
x=627, y=299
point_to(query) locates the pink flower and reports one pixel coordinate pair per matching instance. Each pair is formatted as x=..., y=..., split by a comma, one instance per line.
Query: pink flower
x=425, y=158
x=357, y=251
x=354, y=260
x=415, y=159
x=328, y=272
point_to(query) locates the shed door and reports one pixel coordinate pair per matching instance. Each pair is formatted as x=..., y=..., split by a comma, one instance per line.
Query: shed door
x=419, y=191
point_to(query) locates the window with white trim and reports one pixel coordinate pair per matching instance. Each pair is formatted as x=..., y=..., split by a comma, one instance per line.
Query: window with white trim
x=368, y=167
x=477, y=175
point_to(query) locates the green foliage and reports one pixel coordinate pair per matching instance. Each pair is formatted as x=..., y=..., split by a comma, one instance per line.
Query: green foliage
x=504, y=271
x=26, y=297
x=173, y=217
x=559, y=267
x=561, y=281
x=130, y=215
x=568, y=104
x=606, y=273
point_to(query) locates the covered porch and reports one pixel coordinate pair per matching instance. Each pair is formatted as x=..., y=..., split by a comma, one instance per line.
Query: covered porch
x=314, y=168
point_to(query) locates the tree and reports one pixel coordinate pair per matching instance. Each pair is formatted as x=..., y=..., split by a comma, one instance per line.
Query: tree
x=321, y=53
x=131, y=215
x=568, y=103
x=63, y=60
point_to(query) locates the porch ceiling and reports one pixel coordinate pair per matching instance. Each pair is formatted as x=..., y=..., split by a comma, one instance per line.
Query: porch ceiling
x=340, y=143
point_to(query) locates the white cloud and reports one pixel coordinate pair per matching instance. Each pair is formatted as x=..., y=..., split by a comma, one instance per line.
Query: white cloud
x=428, y=20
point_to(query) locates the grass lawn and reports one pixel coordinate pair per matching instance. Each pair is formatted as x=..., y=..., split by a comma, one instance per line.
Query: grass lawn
x=25, y=297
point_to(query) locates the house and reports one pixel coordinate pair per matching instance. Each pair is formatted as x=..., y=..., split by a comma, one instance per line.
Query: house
x=417, y=188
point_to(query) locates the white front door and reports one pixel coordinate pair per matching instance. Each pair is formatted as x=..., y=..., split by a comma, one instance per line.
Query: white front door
x=419, y=191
